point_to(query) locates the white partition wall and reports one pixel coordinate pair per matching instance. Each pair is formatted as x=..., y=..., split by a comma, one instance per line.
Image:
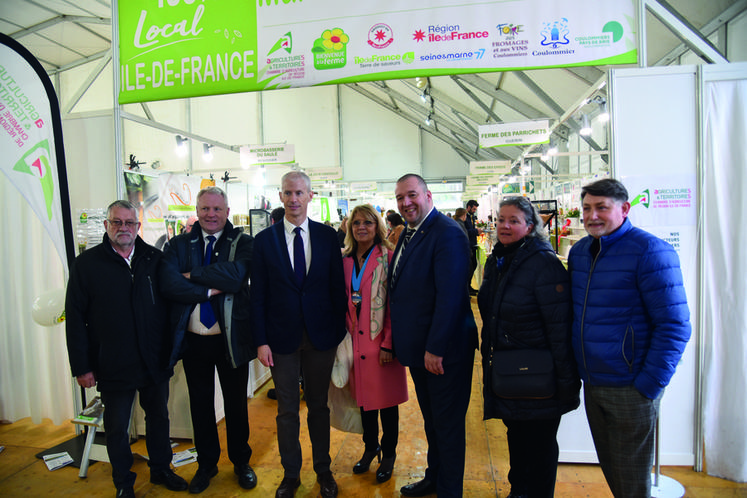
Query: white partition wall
x=654, y=153
x=724, y=282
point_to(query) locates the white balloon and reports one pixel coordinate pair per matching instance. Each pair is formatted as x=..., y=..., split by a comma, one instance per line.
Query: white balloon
x=49, y=308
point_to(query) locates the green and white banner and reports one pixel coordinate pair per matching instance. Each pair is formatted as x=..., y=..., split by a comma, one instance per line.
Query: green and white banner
x=521, y=133
x=270, y=154
x=490, y=167
x=33, y=158
x=187, y=48
x=324, y=174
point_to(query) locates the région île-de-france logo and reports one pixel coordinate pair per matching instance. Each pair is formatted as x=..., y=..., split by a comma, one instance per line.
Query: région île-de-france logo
x=446, y=33
x=36, y=163
x=380, y=36
x=285, y=42
x=643, y=199
x=555, y=33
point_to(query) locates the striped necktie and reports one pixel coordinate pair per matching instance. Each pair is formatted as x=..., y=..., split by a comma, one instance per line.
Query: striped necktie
x=408, y=236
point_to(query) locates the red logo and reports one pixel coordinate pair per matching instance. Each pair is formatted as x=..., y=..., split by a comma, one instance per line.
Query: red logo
x=418, y=36
x=380, y=35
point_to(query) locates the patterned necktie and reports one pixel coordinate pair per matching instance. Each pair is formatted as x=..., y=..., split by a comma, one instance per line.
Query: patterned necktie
x=408, y=236
x=299, y=257
x=207, y=317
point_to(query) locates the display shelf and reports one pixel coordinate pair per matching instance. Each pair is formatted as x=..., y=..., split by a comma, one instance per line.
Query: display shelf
x=548, y=210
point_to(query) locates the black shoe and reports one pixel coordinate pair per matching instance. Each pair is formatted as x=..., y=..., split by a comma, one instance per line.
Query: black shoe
x=420, y=488
x=126, y=492
x=287, y=487
x=247, y=477
x=327, y=484
x=272, y=394
x=201, y=480
x=365, y=462
x=384, y=472
x=168, y=478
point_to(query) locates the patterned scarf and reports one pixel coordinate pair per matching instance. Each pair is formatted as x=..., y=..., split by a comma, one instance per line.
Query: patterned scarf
x=378, y=293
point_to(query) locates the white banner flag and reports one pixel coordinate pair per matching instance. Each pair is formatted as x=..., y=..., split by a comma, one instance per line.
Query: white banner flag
x=31, y=142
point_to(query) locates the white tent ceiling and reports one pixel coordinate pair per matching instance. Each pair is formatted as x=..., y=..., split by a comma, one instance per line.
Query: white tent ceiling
x=64, y=34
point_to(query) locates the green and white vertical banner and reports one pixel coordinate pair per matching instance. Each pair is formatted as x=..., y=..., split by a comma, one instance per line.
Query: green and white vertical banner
x=186, y=48
x=33, y=158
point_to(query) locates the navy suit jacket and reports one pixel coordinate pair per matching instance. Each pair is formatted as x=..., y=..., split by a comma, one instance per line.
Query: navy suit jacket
x=281, y=309
x=429, y=300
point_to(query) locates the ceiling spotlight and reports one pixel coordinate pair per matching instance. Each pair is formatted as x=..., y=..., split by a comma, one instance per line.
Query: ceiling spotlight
x=585, y=126
x=429, y=119
x=604, y=114
x=207, y=154
x=181, y=146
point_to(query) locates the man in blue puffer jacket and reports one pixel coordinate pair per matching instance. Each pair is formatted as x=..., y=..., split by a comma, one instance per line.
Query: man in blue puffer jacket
x=631, y=323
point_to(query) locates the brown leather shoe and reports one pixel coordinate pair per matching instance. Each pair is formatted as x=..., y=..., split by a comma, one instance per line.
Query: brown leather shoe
x=287, y=487
x=327, y=484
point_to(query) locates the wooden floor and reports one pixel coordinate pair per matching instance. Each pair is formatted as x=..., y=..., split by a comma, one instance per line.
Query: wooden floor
x=23, y=475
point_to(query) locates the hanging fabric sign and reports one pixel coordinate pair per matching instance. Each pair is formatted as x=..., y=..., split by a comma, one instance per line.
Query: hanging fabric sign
x=187, y=48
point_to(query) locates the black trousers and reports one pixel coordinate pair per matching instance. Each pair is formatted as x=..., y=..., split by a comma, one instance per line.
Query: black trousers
x=443, y=401
x=205, y=354
x=316, y=366
x=533, y=454
x=117, y=409
x=389, y=430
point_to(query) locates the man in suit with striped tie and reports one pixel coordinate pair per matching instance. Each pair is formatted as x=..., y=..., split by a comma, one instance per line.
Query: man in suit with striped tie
x=434, y=331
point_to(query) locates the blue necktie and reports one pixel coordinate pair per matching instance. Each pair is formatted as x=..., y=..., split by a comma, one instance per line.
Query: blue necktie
x=207, y=317
x=299, y=257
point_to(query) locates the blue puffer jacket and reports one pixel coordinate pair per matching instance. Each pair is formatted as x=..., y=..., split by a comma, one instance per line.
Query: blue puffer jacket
x=630, y=316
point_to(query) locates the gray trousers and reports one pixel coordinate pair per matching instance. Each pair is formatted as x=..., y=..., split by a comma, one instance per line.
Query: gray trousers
x=623, y=423
x=317, y=372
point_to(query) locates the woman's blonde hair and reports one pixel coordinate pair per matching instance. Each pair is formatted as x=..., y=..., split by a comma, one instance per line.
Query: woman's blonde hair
x=368, y=212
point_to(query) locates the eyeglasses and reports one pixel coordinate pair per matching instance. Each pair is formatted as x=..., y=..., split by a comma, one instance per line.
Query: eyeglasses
x=128, y=224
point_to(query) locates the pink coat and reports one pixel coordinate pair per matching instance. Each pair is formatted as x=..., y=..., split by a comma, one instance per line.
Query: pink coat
x=373, y=386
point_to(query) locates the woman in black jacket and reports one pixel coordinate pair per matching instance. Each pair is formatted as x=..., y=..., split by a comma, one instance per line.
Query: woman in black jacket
x=525, y=304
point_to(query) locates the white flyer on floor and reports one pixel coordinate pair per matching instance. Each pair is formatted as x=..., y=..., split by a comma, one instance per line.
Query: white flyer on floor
x=57, y=460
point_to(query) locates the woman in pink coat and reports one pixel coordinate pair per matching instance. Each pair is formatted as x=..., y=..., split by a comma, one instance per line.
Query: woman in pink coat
x=377, y=380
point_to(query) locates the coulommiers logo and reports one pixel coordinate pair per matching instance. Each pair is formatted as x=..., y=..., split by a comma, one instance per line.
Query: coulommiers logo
x=380, y=36
x=446, y=33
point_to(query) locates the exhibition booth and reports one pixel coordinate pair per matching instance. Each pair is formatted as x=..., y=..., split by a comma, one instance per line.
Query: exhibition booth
x=675, y=137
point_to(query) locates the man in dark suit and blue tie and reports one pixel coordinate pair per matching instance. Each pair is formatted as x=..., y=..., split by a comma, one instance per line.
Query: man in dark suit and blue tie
x=433, y=330
x=205, y=273
x=298, y=308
